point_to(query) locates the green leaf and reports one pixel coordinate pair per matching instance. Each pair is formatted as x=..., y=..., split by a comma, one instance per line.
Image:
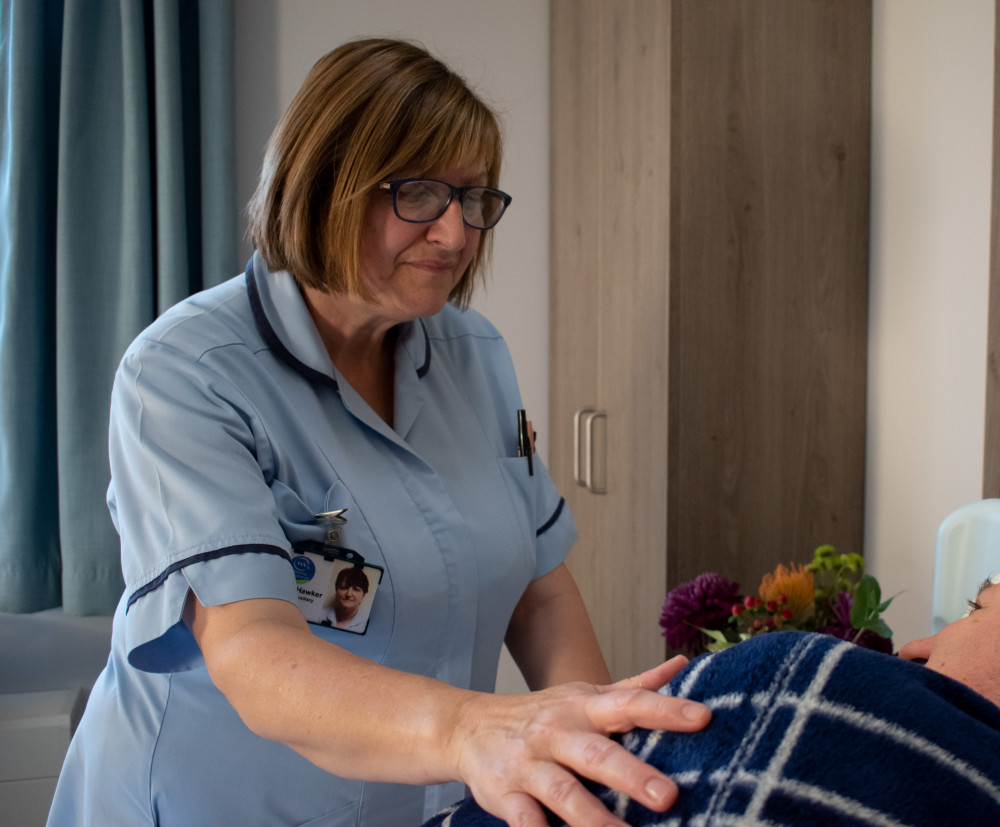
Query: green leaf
x=879, y=627
x=716, y=635
x=867, y=598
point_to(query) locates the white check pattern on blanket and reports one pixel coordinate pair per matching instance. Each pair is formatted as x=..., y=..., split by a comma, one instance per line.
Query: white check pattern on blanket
x=808, y=729
x=805, y=705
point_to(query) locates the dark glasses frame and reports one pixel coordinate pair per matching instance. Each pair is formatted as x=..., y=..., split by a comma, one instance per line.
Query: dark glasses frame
x=453, y=193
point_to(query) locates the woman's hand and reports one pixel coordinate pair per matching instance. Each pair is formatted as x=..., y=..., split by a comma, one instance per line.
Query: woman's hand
x=519, y=751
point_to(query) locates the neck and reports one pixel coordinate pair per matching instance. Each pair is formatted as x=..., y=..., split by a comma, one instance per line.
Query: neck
x=361, y=344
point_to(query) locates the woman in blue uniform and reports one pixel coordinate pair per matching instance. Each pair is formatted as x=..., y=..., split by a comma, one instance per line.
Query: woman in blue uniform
x=338, y=405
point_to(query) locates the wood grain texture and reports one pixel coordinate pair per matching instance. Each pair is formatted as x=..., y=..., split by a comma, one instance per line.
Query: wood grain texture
x=610, y=249
x=769, y=301
x=709, y=290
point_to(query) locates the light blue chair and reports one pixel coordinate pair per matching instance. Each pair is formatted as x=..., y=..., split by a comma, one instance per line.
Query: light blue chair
x=968, y=551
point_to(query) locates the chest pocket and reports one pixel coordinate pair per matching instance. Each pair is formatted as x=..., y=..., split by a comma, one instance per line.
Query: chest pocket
x=299, y=523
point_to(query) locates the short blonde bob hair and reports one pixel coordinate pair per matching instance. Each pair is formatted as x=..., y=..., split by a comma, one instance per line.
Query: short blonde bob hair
x=368, y=111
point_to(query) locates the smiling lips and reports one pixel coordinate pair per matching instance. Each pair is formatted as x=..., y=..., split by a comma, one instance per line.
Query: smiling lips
x=434, y=265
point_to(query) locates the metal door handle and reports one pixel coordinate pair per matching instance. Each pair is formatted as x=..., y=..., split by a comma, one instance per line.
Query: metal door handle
x=588, y=466
x=583, y=425
x=577, y=476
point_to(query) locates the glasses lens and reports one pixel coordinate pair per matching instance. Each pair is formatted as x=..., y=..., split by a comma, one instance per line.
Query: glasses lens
x=422, y=200
x=482, y=207
x=426, y=200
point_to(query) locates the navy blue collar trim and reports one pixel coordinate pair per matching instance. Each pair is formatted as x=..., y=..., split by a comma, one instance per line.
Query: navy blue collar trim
x=426, y=366
x=552, y=520
x=283, y=353
x=153, y=585
x=272, y=340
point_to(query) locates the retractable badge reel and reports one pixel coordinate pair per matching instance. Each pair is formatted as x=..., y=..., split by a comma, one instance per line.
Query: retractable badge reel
x=336, y=587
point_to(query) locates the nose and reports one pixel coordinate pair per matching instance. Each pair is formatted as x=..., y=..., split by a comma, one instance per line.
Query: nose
x=449, y=229
x=918, y=650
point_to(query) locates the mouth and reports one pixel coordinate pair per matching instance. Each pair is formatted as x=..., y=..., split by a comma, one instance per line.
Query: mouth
x=434, y=265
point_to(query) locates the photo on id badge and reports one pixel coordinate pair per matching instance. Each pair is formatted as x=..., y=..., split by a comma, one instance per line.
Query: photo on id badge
x=336, y=590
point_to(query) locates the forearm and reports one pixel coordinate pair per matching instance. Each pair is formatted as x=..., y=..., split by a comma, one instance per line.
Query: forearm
x=346, y=714
x=550, y=635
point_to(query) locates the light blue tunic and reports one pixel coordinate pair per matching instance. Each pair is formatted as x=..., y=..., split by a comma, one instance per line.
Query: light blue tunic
x=230, y=430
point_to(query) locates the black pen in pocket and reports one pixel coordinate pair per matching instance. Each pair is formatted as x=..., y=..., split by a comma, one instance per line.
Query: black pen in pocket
x=524, y=439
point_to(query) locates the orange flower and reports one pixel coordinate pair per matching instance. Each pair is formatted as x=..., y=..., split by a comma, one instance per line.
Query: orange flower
x=795, y=585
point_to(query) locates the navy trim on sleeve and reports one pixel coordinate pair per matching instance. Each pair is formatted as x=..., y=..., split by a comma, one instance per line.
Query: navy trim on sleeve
x=552, y=520
x=272, y=340
x=215, y=554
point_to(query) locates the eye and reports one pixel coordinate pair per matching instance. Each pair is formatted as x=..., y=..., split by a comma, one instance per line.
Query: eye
x=419, y=192
x=974, y=606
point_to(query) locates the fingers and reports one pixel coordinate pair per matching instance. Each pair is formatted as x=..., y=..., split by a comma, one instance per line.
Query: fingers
x=657, y=677
x=619, y=710
x=562, y=793
x=521, y=810
x=533, y=750
x=634, y=702
x=557, y=785
x=607, y=762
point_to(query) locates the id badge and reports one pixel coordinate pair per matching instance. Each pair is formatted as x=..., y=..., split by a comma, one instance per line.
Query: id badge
x=336, y=587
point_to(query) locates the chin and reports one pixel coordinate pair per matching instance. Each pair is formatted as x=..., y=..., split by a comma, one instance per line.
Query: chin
x=428, y=306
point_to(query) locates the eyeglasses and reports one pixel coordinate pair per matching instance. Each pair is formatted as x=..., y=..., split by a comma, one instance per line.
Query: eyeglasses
x=419, y=200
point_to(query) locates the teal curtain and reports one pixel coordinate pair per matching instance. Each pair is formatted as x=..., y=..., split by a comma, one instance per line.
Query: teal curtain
x=117, y=199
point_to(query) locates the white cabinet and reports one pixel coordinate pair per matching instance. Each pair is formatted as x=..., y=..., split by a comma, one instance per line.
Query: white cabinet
x=35, y=731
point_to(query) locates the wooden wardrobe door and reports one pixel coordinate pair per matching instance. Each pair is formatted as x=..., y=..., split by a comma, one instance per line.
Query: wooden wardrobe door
x=610, y=251
x=769, y=283
x=709, y=291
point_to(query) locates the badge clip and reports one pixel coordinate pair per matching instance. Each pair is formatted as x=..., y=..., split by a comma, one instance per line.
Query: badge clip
x=333, y=522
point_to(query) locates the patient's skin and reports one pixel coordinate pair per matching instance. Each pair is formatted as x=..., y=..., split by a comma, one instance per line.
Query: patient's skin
x=967, y=650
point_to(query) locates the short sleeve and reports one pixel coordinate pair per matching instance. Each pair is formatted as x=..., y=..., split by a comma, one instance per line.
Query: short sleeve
x=191, y=500
x=557, y=530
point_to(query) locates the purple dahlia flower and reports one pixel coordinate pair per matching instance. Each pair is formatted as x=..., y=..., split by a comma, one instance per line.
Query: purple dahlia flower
x=704, y=602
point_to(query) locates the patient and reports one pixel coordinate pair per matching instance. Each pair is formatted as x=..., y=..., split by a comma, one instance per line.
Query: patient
x=808, y=729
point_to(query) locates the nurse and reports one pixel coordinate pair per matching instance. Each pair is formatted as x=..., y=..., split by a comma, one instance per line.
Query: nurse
x=343, y=374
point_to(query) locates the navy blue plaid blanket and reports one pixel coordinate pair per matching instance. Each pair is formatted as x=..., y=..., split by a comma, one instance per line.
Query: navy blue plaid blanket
x=809, y=730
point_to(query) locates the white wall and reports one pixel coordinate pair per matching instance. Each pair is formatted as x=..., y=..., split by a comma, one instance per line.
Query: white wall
x=932, y=105
x=931, y=161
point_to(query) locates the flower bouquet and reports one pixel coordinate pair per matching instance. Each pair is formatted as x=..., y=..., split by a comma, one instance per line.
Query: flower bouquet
x=831, y=595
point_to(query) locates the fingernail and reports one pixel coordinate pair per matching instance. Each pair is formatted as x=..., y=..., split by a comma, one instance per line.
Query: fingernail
x=660, y=792
x=693, y=712
x=659, y=788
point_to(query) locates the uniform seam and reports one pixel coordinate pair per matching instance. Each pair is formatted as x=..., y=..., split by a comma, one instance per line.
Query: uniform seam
x=152, y=751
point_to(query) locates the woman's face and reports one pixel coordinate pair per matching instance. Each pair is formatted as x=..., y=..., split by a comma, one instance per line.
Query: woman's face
x=348, y=598
x=411, y=269
x=967, y=650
